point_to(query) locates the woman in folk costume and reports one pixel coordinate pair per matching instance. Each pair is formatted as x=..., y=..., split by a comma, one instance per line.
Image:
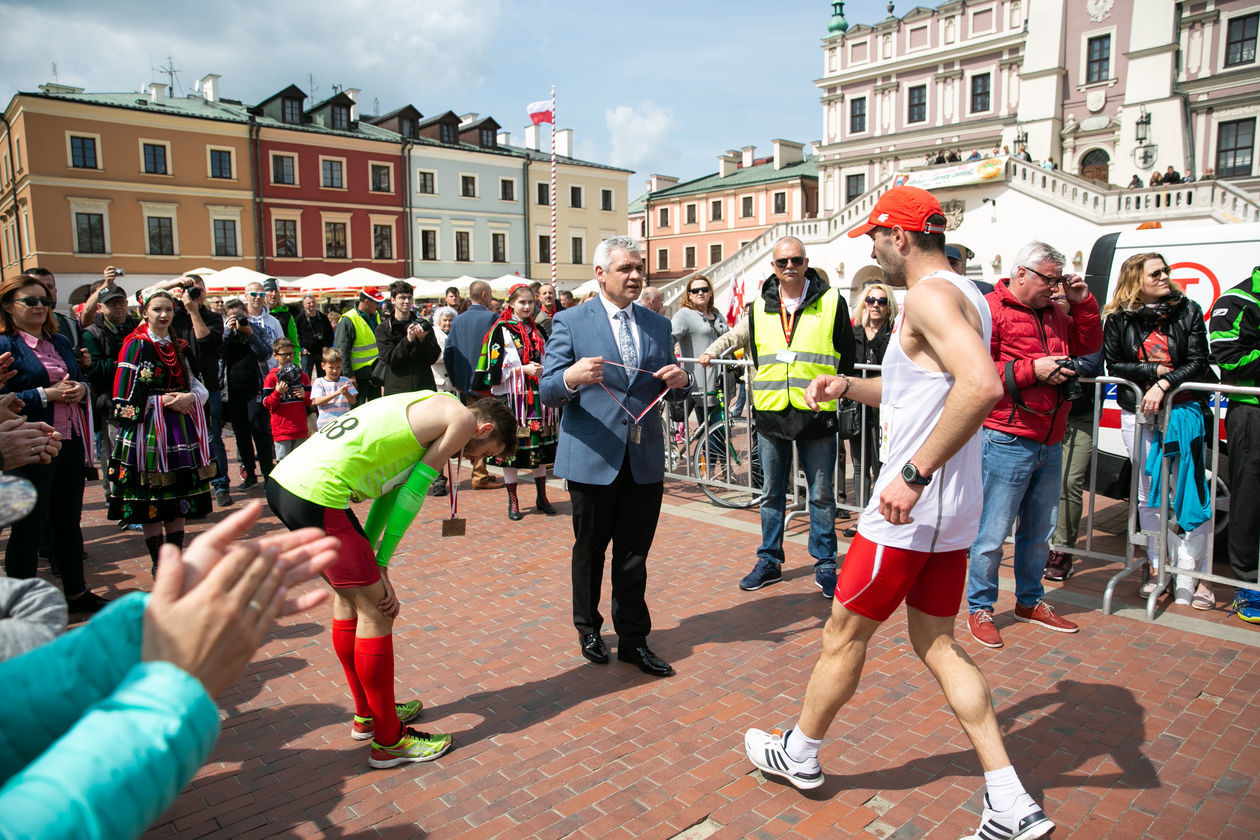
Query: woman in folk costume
x=160, y=467
x=511, y=363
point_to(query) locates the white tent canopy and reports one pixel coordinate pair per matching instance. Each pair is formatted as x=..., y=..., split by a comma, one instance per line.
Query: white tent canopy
x=235, y=278
x=586, y=288
x=356, y=278
x=426, y=289
x=506, y=282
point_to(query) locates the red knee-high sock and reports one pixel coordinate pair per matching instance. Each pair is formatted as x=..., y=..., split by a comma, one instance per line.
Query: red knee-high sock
x=343, y=643
x=374, y=663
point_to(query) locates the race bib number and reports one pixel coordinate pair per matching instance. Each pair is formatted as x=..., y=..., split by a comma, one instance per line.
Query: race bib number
x=338, y=428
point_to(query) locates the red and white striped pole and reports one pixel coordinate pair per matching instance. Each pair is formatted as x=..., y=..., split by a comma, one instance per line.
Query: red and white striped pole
x=553, y=186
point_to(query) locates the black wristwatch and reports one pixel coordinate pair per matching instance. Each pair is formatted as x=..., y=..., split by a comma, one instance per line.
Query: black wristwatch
x=912, y=475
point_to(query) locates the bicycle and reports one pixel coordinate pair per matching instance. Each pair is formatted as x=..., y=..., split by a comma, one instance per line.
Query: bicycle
x=726, y=460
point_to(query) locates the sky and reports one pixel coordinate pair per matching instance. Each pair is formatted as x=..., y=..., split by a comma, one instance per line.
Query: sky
x=654, y=87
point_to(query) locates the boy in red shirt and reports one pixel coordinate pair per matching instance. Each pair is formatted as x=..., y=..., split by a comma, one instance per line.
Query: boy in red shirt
x=287, y=396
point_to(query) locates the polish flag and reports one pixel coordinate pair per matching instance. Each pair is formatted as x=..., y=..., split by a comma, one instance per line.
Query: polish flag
x=737, y=300
x=540, y=112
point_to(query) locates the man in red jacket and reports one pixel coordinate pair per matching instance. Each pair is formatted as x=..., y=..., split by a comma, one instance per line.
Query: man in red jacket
x=1032, y=338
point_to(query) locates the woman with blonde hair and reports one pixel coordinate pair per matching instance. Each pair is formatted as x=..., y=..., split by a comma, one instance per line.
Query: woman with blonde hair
x=695, y=326
x=1155, y=337
x=872, y=328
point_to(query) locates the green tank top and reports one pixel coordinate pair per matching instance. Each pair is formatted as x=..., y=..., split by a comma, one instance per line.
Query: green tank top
x=363, y=454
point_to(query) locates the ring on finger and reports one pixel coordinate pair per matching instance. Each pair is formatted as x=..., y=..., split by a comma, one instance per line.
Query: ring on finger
x=254, y=605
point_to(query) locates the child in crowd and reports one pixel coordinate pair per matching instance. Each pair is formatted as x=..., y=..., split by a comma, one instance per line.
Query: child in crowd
x=333, y=394
x=286, y=395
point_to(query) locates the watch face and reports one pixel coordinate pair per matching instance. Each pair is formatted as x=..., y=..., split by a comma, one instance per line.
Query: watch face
x=909, y=473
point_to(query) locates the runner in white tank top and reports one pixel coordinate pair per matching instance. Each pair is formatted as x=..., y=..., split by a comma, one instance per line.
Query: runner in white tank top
x=947, y=515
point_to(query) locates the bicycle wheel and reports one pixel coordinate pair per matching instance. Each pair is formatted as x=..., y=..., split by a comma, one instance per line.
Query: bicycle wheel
x=675, y=451
x=727, y=464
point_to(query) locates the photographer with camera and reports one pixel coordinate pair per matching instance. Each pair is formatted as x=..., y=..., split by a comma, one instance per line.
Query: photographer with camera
x=245, y=353
x=406, y=345
x=1031, y=347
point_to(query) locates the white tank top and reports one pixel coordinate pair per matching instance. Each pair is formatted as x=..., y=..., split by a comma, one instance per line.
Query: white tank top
x=947, y=515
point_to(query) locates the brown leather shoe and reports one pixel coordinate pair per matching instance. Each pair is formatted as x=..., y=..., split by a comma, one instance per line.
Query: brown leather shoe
x=489, y=483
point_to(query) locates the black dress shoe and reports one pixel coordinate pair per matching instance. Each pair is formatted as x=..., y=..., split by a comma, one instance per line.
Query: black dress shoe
x=594, y=649
x=648, y=662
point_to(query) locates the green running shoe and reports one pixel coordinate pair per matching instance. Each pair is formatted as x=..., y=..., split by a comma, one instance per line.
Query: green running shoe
x=362, y=728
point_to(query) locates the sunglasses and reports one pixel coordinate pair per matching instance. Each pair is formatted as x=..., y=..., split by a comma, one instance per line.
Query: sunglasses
x=783, y=262
x=700, y=290
x=257, y=294
x=1052, y=281
x=35, y=301
x=874, y=301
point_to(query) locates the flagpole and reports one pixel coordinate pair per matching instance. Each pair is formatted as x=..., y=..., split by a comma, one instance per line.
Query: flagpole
x=553, y=186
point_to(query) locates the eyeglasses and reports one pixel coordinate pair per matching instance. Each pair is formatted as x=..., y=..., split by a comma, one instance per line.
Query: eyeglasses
x=874, y=301
x=700, y=290
x=35, y=301
x=1160, y=272
x=783, y=262
x=257, y=294
x=1052, y=281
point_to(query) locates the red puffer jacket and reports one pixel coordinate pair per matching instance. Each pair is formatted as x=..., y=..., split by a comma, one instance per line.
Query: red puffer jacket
x=1022, y=335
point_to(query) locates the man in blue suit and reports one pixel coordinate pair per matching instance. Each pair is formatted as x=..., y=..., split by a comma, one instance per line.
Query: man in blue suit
x=607, y=361
x=463, y=349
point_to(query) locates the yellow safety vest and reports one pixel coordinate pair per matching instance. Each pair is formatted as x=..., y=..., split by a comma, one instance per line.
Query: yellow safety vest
x=363, y=353
x=779, y=384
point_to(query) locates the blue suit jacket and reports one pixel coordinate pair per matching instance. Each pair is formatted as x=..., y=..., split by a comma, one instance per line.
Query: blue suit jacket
x=463, y=346
x=594, y=429
x=31, y=373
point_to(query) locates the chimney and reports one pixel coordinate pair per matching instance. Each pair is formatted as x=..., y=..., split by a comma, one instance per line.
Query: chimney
x=353, y=93
x=564, y=142
x=210, y=88
x=531, y=137
x=728, y=164
x=465, y=119
x=504, y=138
x=157, y=93
x=660, y=182
x=787, y=153
x=747, y=156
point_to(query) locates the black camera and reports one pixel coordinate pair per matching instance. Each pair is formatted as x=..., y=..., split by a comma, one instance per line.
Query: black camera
x=194, y=293
x=1072, y=389
x=424, y=324
x=290, y=375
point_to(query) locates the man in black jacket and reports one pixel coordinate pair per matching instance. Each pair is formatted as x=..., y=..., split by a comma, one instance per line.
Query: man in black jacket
x=103, y=341
x=244, y=351
x=202, y=328
x=405, y=344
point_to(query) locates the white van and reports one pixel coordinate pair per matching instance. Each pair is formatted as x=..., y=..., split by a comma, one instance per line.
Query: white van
x=1205, y=262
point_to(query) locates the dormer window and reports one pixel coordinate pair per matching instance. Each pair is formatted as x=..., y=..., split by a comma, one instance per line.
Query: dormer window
x=407, y=128
x=341, y=117
x=447, y=134
x=487, y=138
x=291, y=110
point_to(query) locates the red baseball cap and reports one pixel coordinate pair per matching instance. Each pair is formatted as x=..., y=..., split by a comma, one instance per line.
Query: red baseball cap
x=373, y=293
x=906, y=207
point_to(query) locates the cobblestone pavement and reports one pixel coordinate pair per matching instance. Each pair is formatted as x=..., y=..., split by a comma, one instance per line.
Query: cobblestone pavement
x=1127, y=729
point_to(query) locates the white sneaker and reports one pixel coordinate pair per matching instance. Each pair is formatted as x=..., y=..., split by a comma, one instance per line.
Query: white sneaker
x=1022, y=821
x=765, y=749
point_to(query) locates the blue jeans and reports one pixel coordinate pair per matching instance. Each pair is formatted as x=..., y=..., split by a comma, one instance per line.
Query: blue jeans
x=818, y=461
x=1021, y=478
x=214, y=425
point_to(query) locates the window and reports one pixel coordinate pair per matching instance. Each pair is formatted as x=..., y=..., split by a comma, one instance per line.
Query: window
x=854, y=186
x=428, y=245
x=857, y=115
x=331, y=172
x=507, y=189
x=155, y=159
x=407, y=128
x=917, y=99
x=662, y=217
x=689, y=214
x=83, y=153
x=335, y=240
x=91, y=230
x=662, y=259
x=980, y=92
x=1234, y=143
x=1098, y=59
x=544, y=248
x=286, y=237
x=576, y=246
x=746, y=207
x=689, y=256
x=161, y=236
x=468, y=186
x=715, y=254
x=446, y=133
x=715, y=210
x=225, y=238
x=498, y=245
x=487, y=139
x=283, y=170
x=544, y=194
x=291, y=110
x=380, y=178
x=463, y=246
x=780, y=202
x=382, y=242
x=606, y=200
x=425, y=183
x=341, y=117
x=1240, y=40
x=221, y=163
x=576, y=198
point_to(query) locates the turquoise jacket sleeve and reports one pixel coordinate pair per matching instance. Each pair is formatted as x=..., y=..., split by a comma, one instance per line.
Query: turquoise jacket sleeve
x=96, y=743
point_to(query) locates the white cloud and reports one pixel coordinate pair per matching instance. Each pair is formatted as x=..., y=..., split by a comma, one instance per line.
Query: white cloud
x=639, y=134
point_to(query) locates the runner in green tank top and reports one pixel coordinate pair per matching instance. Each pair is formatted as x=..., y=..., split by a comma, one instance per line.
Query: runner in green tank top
x=388, y=450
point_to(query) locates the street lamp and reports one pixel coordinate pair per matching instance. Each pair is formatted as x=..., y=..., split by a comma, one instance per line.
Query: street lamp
x=1143, y=127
